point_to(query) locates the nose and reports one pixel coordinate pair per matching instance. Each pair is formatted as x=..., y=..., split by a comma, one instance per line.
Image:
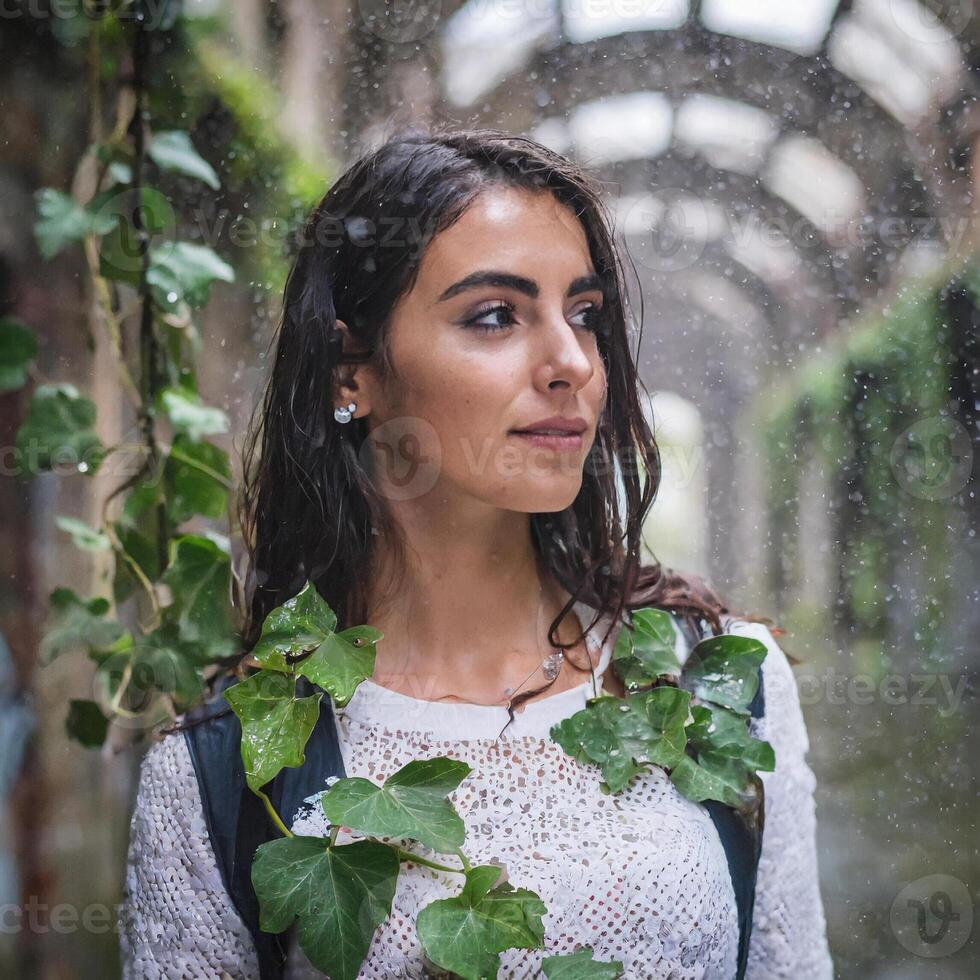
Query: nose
x=562, y=355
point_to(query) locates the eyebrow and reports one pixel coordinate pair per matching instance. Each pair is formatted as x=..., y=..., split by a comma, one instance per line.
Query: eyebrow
x=491, y=277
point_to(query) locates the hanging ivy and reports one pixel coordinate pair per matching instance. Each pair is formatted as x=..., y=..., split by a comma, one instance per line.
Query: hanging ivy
x=851, y=404
x=169, y=619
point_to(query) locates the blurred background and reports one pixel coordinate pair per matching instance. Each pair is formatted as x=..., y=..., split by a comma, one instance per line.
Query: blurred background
x=795, y=182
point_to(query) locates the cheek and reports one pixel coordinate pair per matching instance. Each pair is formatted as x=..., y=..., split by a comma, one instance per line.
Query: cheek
x=475, y=410
x=467, y=406
x=600, y=380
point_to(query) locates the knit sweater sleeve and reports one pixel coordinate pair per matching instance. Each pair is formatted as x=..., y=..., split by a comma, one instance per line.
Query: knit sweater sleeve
x=176, y=920
x=789, y=937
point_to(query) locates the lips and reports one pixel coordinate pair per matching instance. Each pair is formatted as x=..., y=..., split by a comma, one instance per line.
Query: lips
x=546, y=432
x=554, y=426
x=566, y=441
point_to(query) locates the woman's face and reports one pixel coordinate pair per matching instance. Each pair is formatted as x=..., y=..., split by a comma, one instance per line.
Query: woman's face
x=496, y=335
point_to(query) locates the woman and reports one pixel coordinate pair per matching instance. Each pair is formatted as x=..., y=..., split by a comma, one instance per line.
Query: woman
x=454, y=292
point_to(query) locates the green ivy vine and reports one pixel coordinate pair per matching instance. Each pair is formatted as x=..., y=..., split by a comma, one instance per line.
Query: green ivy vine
x=168, y=613
x=168, y=618
x=692, y=721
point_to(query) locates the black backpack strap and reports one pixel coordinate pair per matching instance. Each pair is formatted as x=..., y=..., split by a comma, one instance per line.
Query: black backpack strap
x=237, y=820
x=740, y=836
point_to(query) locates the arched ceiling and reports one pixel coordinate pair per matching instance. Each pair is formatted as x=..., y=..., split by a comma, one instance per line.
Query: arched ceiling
x=805, y=124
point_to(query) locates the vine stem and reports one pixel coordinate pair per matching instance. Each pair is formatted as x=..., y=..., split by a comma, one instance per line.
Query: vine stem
x=276, y=819
x=404, y=855
x=196, y=464
x=109, y=320
x=123, y=684
x=134, y=567
x=149, y=345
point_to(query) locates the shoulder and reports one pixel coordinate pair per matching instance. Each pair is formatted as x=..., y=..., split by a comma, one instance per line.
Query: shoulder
x=783, y=724
x=175, y=917
x=167, y=762
x=167, y=816
x=602, y=635
x=172, y=763
x=168, y=795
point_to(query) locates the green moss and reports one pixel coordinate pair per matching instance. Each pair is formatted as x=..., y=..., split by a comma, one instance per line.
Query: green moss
x=200, y=81
x=902, y=354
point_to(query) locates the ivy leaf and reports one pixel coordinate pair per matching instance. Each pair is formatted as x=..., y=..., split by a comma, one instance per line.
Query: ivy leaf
x=163, y=660
x=342, y=661
x=196, y=477
x=412, y=803
x=188, y=414
x=199, y=574
x=645, y=652
x=173, y=150
x=667, y=711
x=727, y=759
x=340, y=895
x=159, y=661
x=85, y=723
x=18, y=347
x=58, y=431
x=120, y=258
x=338, y=662
x=182, y=271
x=721, y=730
x=467, y=934
x=712, y=778
x=276, y=724
x=121, y=646
x=580, y=966
x=724, y=670
x=138, y=532
x=623, y=735
x=299, y=624
x=62, y=220
x=118, y=157
x=120, y=250
x=120, y=172
x=608, y=731
x=142, y=549
x=114, y=664
x=140, y=500
x=149, y=208
x=75, y=623
x=84, y=536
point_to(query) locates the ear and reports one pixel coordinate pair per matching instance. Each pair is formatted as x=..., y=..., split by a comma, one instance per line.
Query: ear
x=353, y=385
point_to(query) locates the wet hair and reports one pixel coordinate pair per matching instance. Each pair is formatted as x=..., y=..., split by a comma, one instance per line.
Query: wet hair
x=309, y=508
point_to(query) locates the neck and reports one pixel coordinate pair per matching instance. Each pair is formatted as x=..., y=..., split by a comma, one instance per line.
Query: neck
x=472, y=606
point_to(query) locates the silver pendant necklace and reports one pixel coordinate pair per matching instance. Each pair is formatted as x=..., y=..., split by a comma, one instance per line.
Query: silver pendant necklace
x=550, y=667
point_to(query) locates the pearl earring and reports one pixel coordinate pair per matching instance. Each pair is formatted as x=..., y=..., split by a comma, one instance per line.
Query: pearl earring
x=344, y=414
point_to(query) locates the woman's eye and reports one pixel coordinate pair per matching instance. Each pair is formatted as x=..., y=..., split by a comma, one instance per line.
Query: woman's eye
x=592, y=316
x=478, y=322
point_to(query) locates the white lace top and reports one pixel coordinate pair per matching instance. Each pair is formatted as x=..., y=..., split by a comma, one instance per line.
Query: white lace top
x=639, y=876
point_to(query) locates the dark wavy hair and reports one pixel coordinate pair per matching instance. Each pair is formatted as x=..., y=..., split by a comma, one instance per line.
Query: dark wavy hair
x=309, y=508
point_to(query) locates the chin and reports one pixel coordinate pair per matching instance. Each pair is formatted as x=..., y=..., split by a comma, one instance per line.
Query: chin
x=544, y=495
